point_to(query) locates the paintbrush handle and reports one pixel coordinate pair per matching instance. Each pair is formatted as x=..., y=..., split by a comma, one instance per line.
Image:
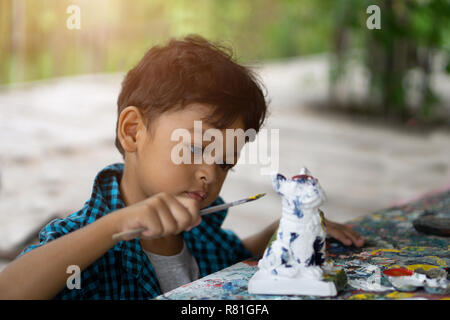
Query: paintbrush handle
x=134, y=232
x=202, y=212
x=222, y=207
x=137, y=232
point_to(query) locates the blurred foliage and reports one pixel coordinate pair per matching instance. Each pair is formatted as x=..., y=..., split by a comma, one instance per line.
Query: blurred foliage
x=413, y=43
x=36, y=44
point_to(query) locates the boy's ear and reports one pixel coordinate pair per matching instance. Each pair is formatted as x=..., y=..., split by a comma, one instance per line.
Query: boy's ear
x=129, y=126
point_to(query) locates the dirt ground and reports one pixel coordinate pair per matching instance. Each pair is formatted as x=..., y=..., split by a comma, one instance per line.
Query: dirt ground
x=56, y=135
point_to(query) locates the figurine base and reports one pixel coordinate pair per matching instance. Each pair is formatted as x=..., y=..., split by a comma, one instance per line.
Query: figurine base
x=263, y=283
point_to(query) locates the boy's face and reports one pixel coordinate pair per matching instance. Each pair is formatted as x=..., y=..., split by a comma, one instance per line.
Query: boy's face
x=155, y=170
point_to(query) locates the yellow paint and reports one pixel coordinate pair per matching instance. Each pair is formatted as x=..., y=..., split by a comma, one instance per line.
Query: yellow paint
x=399, y=295
x=439, y=261
x=425, y=267
x=412, y=248
x=376, y=217
x=322, y=220
x=446, y=298
x=374, y=252
x=362, y=296
x=259, y=195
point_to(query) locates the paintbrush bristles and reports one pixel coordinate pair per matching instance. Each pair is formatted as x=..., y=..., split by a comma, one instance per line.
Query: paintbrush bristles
x=259, y=195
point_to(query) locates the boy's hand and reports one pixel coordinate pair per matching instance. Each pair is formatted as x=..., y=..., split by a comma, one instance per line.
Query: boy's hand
x=344, y=234
x=162, y=214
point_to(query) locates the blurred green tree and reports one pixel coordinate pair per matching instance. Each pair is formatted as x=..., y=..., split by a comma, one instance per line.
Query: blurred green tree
x=35, y=43
x=413, y=42
x=399, y=59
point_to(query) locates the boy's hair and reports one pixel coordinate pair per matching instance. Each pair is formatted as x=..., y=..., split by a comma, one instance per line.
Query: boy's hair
x=193, y=70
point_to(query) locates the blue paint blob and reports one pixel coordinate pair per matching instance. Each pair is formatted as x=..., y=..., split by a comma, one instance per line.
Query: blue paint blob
x=294, y=236
x=227, y=286
x=318, y=255
x=268, y=251
x=297, y=211
x=284, y=256
x=311, y=260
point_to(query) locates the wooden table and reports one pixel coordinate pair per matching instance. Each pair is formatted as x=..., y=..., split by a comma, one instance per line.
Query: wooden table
x=391, y=241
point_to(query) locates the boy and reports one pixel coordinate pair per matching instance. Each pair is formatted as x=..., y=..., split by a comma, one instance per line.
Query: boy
x=170, y=88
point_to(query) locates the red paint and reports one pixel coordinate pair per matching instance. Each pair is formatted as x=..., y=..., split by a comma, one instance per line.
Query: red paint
x=301, y=176
x=398, y=272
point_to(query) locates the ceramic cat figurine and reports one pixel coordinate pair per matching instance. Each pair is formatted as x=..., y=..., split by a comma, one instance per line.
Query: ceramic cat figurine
x=291, y=264
x=300, y=243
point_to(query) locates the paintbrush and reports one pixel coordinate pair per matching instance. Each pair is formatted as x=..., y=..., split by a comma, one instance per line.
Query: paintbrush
x=219, y=207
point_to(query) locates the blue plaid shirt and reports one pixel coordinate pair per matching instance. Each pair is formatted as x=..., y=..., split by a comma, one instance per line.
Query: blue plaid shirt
x=124, y=271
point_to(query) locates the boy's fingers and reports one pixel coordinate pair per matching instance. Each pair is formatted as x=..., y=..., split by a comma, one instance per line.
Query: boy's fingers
x=192, y=206
x=153, y=224
x=345, y=240
x=348, y=238
x=352, y=238
x=169, y=223
x=357, y=239
x=344, y=234
x=195, y=223
x=339, y=235
x=181, y=213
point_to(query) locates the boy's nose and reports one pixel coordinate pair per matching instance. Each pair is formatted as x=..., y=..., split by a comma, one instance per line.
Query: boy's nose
x=206, y=173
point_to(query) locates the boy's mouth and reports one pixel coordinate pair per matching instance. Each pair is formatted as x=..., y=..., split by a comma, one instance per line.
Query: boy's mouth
x=197, y=195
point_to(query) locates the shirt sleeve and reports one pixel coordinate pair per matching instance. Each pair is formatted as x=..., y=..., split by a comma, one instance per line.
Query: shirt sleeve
x=53, y=230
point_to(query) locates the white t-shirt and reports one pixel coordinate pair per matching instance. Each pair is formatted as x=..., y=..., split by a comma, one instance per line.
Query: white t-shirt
x=174, y=271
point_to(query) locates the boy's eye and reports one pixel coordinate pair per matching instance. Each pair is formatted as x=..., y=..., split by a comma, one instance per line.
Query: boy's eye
x=196, y=150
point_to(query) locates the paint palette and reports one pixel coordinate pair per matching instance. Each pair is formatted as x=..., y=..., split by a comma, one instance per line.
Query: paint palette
x=433, y=280
x=392, y=242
